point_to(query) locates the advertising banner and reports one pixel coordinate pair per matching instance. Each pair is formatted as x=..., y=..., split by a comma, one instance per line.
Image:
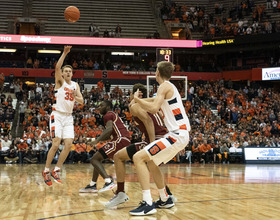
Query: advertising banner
x=271, y=73
x=127, y=42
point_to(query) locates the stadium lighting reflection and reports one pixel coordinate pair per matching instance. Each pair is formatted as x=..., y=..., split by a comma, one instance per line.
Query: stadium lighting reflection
x=123, y=53
x=49, y=51
x=7, y=50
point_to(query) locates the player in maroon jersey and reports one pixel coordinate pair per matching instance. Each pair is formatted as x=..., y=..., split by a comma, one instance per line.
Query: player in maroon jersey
x=152, y=127
x=115, y=128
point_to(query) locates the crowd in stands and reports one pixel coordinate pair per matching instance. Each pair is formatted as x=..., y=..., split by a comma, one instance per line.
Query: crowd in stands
x=242, y=18
x=94, y=31
x=7, y=113
x=224, y=119
x=146, y=61
x=85, y=62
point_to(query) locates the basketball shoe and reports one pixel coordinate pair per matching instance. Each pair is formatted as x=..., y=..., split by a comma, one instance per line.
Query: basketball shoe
x=108, y=186
x=118, y=199
x=55, y=175
x=174, y=199
x=89, y=189
x=47, y=178
x=164, y=205
x=144, y=209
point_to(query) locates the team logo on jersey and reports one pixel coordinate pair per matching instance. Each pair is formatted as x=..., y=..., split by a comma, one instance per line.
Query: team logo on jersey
x=156, y=148
x=68, y=90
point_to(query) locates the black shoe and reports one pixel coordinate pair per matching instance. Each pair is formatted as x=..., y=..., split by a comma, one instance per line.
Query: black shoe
x=89, y=189
x=144, y=209
x=108, y=186
x=159, y=204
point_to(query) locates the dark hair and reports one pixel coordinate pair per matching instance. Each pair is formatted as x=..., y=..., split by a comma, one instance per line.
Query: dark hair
x=165, y=69
x=141, y=87
x=109, y=104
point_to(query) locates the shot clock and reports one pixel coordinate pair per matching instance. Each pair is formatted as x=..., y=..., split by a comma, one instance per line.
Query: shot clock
x=164, y=54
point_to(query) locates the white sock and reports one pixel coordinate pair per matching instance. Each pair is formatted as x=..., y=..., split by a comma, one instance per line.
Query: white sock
x=47, y=169
x=56, y=168
x=147, y=197
x=107, y=180
x=163, y=194
x=92, y=183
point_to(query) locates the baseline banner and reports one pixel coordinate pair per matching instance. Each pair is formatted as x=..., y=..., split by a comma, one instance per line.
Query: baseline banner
x=262, y=155
x=271, y=73
x=98, y=41
x=143, y=75
x=104, y=74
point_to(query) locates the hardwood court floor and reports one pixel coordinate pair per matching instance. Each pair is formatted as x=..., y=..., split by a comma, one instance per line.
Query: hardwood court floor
x=226, y=191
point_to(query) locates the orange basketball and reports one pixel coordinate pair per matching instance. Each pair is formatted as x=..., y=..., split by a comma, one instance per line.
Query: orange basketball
x=72, y=14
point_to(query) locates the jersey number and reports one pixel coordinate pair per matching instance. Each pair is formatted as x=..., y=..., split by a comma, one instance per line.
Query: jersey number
x=69, y=96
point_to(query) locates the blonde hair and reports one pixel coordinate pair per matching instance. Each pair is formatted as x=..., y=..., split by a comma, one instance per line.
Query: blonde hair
x=67, y=66
x=165, y=69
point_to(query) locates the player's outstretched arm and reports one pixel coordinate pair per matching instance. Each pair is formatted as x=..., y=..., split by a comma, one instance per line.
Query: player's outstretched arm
x=58, y=73
x=106, y=134
x=78, y=95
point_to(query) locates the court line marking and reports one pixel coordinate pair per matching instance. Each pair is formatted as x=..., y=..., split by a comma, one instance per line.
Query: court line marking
x=211, y=200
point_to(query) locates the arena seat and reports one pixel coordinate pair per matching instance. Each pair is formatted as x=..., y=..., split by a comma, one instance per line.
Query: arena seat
x=136, y=18
x=9, y=10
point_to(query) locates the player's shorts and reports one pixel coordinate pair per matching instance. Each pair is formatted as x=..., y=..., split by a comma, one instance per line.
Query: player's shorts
x=164, y=149
x=112, y=147
x=61, y=125
x=133, y=148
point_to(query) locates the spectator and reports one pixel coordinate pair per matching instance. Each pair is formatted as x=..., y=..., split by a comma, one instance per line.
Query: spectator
x=22, y=150
x=21, y=112
x=112, y=33
x=96, y=30
x=75, y=64
x=107, y=86
x=17, y=26
x=91, y=30
x=12, y=156
x=224, y=152
x=100, y=85
x=11, y=79
x=96, y=65
x=216, y=153
x=5, y=147
x=29, y=63
x=2, y=80
x=37, y=29
x=90, y=64
x=118, y=31
x=106, y=33
x=156, y=35
x=149, y=36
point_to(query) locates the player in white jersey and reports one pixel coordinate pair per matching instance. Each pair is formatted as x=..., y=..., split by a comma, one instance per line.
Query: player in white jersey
x=169, y=101
x=61, y=119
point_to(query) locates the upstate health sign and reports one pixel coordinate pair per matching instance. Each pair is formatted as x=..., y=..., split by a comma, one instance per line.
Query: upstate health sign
x=271, y=73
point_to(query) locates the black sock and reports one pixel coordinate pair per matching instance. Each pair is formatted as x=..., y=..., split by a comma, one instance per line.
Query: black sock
x=168, y=190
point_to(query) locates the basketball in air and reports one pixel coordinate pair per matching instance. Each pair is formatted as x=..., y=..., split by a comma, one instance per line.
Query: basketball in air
x=72, y=14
